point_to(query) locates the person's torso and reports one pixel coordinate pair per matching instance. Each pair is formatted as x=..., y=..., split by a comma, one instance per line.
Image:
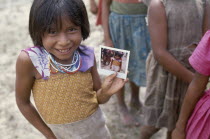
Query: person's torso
x=185, y=21
x=65, y=98
x=185, y=25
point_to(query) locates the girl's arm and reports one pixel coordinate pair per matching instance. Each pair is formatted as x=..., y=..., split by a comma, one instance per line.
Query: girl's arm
x=96, y=77
x=110, y=86
x=194, y=92
x=24, y=82
x=93, y=7
x=105, y=22
x=206, y=22
x=158, y=32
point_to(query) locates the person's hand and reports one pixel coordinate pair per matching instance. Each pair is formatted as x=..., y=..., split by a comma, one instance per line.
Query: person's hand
x=112, y=84
x=178, y=134
x=108, y=42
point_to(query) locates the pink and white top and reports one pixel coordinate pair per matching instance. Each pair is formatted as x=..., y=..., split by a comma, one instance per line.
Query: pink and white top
x=40, y=59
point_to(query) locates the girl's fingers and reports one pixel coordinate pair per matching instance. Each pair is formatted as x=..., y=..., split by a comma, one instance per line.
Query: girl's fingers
x=112, y=76
x=126, y=80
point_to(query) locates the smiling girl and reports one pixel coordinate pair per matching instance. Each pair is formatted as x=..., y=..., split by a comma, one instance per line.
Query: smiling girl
x=62, y=74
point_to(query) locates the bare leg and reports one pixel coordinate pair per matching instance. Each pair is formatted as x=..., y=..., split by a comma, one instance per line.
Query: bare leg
x=146, y=132
x=134, y=102
x=93, y=7
x=126, y=117
x=169, y=133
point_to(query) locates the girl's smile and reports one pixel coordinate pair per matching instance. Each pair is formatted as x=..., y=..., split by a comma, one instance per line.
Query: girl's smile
x=64, y=51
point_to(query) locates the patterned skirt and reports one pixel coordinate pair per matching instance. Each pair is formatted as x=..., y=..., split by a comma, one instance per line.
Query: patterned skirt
x=164, y=93
x=93, y=127
x=130, y=32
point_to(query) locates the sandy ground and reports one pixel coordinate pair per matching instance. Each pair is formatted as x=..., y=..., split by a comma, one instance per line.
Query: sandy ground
x=13, y=38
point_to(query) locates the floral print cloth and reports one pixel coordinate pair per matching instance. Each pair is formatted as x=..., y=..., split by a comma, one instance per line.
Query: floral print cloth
x=40, y=59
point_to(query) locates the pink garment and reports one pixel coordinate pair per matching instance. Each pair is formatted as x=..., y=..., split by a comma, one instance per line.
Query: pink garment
x=200, y=59
x=198, y=126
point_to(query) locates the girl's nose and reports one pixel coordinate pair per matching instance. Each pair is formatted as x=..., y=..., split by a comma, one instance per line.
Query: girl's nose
x=63, y=40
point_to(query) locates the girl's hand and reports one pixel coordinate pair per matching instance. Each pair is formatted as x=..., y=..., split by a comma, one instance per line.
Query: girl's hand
x=178, y=134
x=112, y=84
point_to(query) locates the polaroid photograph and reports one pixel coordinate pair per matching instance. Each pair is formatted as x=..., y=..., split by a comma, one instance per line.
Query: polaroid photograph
x=113, y=60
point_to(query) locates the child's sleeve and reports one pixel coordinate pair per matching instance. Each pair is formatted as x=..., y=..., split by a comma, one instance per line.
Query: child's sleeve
x=200, y=59
x=40, y=60
x=88, y=58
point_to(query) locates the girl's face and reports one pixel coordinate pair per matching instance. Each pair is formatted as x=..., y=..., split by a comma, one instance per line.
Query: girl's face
x=62, y=43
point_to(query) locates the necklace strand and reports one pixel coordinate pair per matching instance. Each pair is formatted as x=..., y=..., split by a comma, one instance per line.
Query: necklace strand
x=65, y=68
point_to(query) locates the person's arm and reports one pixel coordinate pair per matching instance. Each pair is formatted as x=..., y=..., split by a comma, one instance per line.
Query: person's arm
x=110, y=86
x=195, y=90
x=24, y=82
x=93, y=7
x=194, y=93
x=105, y=22
x=96, y=77
x=158, y=32
x=206, y=21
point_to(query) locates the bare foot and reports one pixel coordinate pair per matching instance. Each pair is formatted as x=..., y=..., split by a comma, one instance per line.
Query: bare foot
x=135, y=107
x=126, y=118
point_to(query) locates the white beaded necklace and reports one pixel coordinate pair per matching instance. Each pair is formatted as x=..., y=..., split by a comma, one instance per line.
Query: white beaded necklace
x=66, y=68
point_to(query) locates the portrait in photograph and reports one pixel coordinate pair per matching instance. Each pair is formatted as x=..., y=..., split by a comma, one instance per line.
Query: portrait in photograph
x=113, y=60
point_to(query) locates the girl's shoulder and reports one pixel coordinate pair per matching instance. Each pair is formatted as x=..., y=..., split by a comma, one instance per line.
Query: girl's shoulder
x=35, y=50
x=24, y=66
x=39, y=58
x=86, y=49
x=24, y=59
x=88, y=57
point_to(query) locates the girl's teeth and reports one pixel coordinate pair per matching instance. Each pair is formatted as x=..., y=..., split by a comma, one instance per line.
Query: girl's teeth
x=63, y=51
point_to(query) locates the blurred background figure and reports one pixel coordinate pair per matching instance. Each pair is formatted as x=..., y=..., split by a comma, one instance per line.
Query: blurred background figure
x=125, y=27
x=176, y=27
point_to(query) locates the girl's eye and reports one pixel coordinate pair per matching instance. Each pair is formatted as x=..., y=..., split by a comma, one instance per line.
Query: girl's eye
x=72, y=29
x=52, y=32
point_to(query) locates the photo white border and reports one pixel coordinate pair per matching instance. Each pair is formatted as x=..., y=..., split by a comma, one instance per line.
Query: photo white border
x=109, y=72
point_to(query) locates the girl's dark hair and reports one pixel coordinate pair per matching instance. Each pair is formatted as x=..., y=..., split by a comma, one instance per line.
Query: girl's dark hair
x=44, y=13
